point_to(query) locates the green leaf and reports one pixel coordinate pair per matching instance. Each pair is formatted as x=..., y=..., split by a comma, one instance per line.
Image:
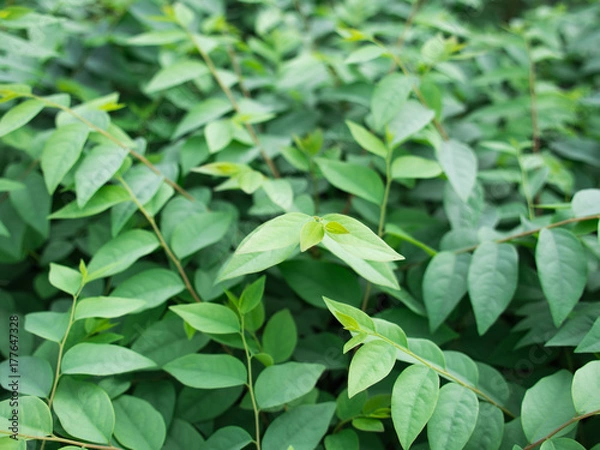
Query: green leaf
x=389, y=96
x=461, y=367
x=367, y=140
x=96, y=169
x=161, y=37
x=311, y=234
x=245, y=263
x=488, y=429
x=353, y=178
x=138, y=425
x=460, y=166
x=209, y=317
x=283, y=383
x=586, y=202
x=279, y=192
x=35, y=376
x=227, y=438
x=411, y=118
x=252, y=295
x=34, y=417
x=492, y=281
x=278, y=233
x=103, y=359
x=349, y=316
x=7, y=185
x=47, y=324
x=562, y=267
x=219, y=134
x=360, y=240
x=121, y=252
x=390, y=331
x=427, y=352
x=182, y=435
x=370, y=364
x=20, y=115
x=414, y=398
x=201, y=114
x=175, y=74
x=343, y=440
x=61, y=152
x=561, y=444
x=106, y=197
x=453, y=419
x=591, y=341
x=548, y=405
x=250, y=180
x=586, y=388
x=106, y=307
x=65, y=278
x=364, y=54
x=444, y=284
x=367, y=424
x=280, y=336
x=208, y=371
x=154, y=286
x=198, y=231
x=84, y=410
x=415, y=167
x=33, y=203
x=302, y=427
x=311, y=280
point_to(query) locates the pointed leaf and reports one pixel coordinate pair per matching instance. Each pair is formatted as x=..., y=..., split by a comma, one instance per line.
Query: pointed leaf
x=35, y=418
x=311, y=234
x=103, y=359
x=19, y=115
x=586, y=388
x=460, y=166
x=353, y=178
x=208, y=317
x=388, y=98
x=367, y=140
x=208, y=371
x=282, y=383
x=371, y=364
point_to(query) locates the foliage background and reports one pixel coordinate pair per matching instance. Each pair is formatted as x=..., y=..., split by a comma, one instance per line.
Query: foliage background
x=143, y=144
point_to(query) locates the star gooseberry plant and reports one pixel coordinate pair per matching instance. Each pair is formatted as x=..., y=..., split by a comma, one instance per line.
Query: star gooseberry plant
x=200, y=201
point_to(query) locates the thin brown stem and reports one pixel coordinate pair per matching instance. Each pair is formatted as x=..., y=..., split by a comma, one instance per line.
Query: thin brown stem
x=238, y=71
x=64, y=441
x=213, y=70
x=562, y=427
x=409, y=22
x=121, y=144
x=161, y=239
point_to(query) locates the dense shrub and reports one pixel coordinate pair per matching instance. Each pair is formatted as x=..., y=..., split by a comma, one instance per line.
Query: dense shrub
x=299, y=224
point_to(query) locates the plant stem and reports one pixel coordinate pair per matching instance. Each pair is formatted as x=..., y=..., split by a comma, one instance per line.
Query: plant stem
x=386, y=194
x=109, y=136
x=533, y=95
x=411, y=18
x=64, y=441
x=249, y=385
x=445, y=374
x=213, y=70
x=563, y=426
x=161, y=239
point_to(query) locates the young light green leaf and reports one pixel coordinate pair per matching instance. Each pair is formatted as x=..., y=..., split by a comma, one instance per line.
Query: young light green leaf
x=586, y=202
x=548, y=405
x=121, y=252
x=302, y=427
x=252, y=295
x=19, y=115
x=414, y=398
x=208, y=317
x=84, y=410
x=367, y=140
x=562, y=267
x=106, y=307
x=280, y=384
x=444, y=284
x=388, y=98
x=371, y=364
x=7, y=185
x=364, y=54
x=64, y=278
x=492, y=281
x=199, y=231
x=460, y=166
x=245, y=263
x=103, y=359
x=353, y=178
x=586, y=388
x=97, y=167
x=311, y=234
x=277, y=233
x=208, y=371
x=34, y=416
x=61, y=152
x=138, y=425
x=453, y=419
x=335, y=228
x=280, y=336
x=161, y=37
x=342, y=312
x=415, y=167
